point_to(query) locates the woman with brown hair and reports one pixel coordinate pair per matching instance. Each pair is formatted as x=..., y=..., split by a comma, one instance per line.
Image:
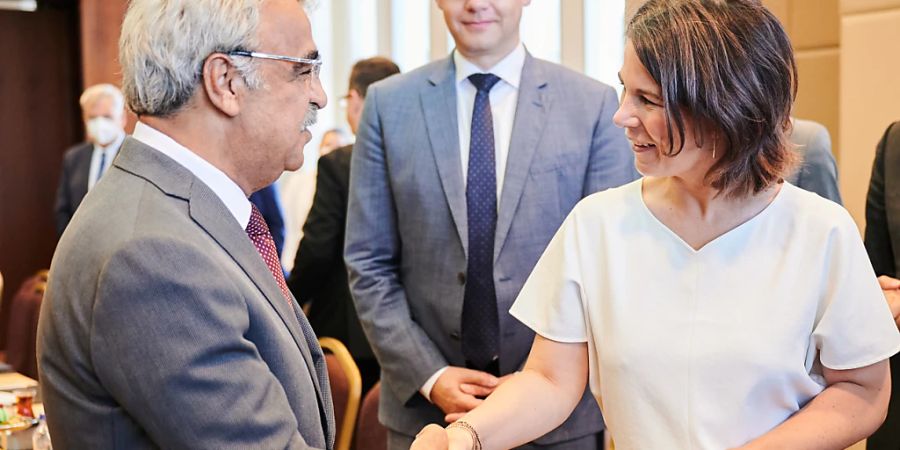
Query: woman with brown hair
x=710, y=304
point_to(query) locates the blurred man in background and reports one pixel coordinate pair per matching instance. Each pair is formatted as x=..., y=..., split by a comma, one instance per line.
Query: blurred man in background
x=103, y=110
x=319, y=276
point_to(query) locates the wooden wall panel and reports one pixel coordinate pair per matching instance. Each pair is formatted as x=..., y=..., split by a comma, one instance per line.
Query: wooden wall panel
x=815, y=24
x=870, y=97
x=39, y=83
x=101, y=24
x=857, y=6
x=817, y=97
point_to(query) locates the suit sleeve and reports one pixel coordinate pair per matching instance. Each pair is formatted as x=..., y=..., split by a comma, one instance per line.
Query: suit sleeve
x=877, y=236
x=819, y=171
x=62, y=207
x=322, y=244
x=611, y=161
x=372, y=253
x=176, y=356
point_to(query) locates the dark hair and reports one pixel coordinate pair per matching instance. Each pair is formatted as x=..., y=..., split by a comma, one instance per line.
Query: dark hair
x=368, y=71
x=730, y=66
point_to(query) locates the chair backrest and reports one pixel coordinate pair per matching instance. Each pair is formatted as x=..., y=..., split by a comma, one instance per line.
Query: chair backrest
x=370, y=433
x=346, y=389
x=21, y=333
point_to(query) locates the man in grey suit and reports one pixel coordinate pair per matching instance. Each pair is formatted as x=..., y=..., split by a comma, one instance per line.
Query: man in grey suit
x=817, y=171
x=167, y=322
x=461, y=173
x=103, y=111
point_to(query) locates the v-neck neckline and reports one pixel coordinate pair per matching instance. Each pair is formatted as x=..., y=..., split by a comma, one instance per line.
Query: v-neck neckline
x=734, y=230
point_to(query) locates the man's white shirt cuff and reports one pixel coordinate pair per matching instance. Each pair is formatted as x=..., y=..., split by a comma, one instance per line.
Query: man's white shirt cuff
x=426, y=388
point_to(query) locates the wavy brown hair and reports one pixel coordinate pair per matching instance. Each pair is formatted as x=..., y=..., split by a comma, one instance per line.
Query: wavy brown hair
x=730, y=66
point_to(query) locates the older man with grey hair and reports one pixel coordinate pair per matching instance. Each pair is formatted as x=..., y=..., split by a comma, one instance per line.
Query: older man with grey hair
x=103, y=111
x=167, y=322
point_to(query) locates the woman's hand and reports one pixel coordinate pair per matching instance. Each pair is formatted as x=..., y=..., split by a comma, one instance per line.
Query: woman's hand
x=432, y=437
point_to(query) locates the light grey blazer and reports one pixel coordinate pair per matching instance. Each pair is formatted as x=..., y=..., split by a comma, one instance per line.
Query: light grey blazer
x=406, y=229
x=817, y=171
x=162, y=327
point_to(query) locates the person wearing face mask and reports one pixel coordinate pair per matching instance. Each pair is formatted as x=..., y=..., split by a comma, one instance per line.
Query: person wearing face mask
x=103, y=109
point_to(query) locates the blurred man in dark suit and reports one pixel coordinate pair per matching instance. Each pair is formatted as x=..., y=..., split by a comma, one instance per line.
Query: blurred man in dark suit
x=319, y=276
x=103, y=110
x=883, y=246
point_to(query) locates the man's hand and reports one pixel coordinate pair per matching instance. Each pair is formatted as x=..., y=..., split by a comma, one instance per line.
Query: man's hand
x=891, y=288
x=432, y=437
x=453, y=417
x=459, y=390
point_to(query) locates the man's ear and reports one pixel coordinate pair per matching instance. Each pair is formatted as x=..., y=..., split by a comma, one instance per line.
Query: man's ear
x=222, y=82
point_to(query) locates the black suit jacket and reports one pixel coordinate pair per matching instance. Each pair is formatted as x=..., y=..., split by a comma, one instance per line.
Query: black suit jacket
x=883, y=205
x=883, y=246
x=319, y=275
x=73, y=183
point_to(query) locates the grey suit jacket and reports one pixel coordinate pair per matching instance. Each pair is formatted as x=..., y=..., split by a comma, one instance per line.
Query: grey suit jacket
x=817, y=171
x=162, y=327
x=406, y=230
x=73, y=183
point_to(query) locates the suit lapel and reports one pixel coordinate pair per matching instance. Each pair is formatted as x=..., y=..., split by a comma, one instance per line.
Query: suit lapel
x=208, y=211
x=531, y=111
x=439, y=108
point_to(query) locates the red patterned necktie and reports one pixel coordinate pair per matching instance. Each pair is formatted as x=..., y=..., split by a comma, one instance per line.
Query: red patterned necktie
x=258, y=232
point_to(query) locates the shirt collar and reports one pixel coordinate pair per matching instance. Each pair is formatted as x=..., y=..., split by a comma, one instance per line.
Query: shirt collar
x=509, y=69
x=225, y=188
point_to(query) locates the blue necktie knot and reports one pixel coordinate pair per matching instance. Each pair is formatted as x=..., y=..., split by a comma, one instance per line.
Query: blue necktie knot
x=484, y=82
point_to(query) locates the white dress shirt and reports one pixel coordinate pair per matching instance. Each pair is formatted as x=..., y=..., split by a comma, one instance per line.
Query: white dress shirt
x=225, y=188
x=111, y=151
x=504, y=97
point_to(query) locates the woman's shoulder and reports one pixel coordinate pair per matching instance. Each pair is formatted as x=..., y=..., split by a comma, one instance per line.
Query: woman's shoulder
x=814, y=211
x=612, y=200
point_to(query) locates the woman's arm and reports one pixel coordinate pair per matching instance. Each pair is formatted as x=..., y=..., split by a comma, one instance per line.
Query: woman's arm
x=850, y=409
x=525, y=407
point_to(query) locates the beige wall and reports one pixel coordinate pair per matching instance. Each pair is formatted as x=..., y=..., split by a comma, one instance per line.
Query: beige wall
x=869, y=90
x=814, y=28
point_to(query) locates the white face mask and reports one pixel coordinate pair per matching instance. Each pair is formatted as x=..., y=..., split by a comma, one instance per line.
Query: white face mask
x=103, y=131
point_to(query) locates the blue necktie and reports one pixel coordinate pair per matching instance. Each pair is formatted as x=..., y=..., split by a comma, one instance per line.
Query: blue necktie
x=480, y=327
x=102, y=164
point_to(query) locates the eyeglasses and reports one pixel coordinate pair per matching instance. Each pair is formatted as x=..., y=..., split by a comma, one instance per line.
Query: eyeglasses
x=315, y=63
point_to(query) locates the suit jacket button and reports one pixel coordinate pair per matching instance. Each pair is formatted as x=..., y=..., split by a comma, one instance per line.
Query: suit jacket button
x=454, y=335
x=461, y=277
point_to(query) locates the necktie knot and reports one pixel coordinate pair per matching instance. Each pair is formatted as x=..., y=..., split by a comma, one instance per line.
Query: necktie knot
x=484, y=82
x=257, y=225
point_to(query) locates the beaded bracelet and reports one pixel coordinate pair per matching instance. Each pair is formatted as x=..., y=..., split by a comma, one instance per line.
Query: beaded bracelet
x=476, y=441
